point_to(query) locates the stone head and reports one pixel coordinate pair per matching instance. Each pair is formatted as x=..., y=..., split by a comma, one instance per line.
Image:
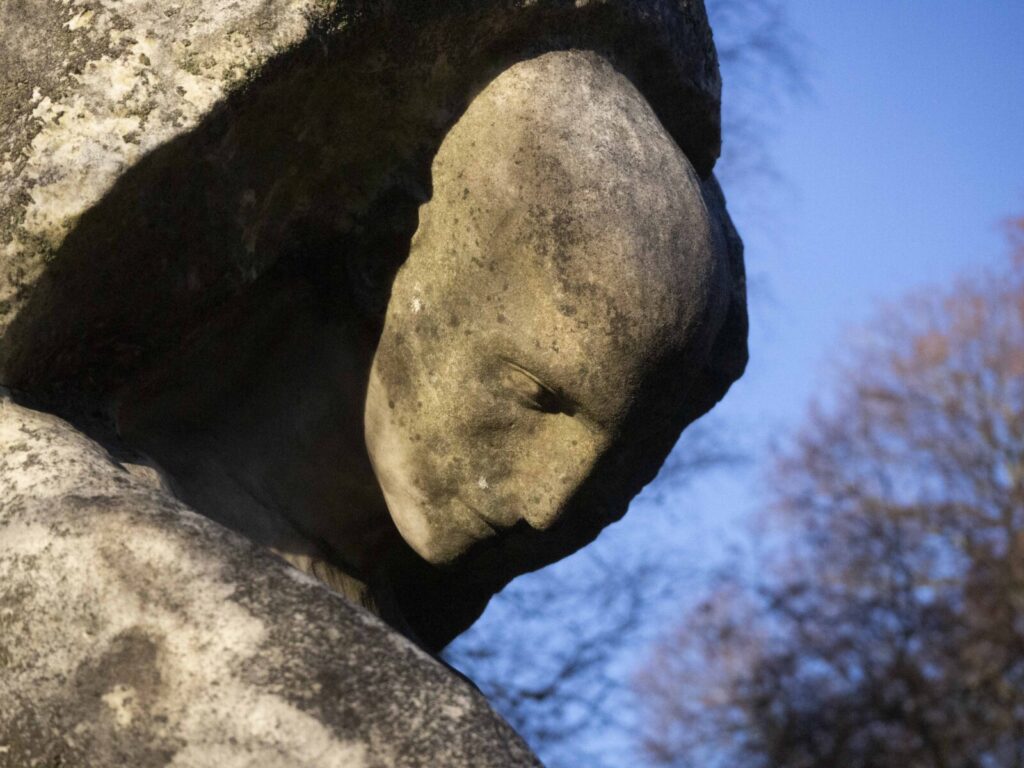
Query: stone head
x=552, y=331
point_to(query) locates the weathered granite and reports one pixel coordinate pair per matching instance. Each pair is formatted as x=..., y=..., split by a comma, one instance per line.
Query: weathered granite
x=142, y=160
x=136, y=632
x=203, y=208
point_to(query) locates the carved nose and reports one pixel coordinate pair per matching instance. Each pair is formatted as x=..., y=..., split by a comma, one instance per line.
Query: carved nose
x=551, y=494
x=542, y=519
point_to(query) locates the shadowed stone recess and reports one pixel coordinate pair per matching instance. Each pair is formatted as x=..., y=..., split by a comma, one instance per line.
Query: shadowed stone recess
x=132, y=134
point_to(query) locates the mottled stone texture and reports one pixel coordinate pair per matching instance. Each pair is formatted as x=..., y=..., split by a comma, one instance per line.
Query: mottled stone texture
x=202, y=200
x=135, y=632
x=156, y=158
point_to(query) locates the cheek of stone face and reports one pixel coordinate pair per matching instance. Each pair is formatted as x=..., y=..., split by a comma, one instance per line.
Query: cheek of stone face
x=426, y=464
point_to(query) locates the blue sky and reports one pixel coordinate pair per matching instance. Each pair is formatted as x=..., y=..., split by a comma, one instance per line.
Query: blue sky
x=896, y=173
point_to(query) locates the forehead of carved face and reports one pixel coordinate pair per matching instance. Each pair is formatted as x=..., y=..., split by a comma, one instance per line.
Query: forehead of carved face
x=565, y=258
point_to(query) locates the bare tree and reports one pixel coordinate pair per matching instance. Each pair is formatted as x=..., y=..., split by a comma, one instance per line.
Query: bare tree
x=891, y=632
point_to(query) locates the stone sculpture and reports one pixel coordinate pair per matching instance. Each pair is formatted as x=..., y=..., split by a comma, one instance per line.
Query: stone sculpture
x=416, y=298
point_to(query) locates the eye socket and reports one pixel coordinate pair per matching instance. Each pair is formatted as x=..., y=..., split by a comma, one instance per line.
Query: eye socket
x=531, y=392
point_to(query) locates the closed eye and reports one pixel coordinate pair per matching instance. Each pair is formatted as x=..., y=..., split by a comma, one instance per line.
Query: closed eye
x=533, y=393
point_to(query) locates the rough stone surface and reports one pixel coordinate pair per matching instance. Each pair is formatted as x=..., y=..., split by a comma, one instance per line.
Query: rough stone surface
x=569, y=302
x=135, y=632
x=232, y=232
x=156, y=158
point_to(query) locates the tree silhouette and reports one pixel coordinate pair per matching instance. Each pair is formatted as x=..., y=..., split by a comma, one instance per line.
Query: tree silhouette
x=891, y=630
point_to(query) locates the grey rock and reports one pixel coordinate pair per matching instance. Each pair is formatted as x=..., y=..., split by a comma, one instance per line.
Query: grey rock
x=155, y=158
x=136, y=632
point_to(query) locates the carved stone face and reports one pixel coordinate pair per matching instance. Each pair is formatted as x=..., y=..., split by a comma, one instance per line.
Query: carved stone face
x=566, y=257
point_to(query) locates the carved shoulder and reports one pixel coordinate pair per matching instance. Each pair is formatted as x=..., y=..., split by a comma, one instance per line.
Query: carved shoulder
x=133, y=631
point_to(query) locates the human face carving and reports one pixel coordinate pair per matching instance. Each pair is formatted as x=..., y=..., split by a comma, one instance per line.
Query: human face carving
x=565, y=256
